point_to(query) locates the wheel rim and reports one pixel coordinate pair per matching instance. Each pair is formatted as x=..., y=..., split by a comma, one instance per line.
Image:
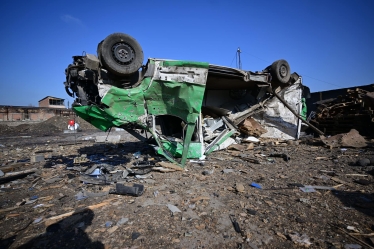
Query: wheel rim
x=122, y=53
x=283, y=71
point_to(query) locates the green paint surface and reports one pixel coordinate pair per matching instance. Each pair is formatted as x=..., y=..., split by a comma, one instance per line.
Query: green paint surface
x=176, y=149
x=304, y=108
x=185, y=64
x=95, y=116
x=153, y=97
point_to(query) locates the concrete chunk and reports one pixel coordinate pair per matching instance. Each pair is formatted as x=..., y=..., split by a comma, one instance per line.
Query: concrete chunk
x=70, y=131
x=37, y=158
x=109, y=139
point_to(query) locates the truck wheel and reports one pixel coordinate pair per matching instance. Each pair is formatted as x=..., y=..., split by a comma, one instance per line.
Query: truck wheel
x=280, y=71
x=120, y=54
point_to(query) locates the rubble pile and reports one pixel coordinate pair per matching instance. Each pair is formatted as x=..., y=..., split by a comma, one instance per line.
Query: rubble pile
x=353, y=110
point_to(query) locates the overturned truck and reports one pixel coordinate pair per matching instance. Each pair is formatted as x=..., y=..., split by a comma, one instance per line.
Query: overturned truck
x=190, y=109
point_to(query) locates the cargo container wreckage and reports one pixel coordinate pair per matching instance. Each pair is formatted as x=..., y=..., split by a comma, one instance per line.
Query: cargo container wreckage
x=189, y=108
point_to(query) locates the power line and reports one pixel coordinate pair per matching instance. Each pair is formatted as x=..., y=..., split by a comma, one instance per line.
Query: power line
x=233, y=59
x=321, y=80
x=255, y=56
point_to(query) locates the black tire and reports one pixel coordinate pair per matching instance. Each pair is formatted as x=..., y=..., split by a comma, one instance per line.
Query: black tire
x=120, y=54
x=280, y=71
x=99, y=51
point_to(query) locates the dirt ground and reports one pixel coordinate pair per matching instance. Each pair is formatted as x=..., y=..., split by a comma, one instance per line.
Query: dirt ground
x=53, y=125
x=218, y=206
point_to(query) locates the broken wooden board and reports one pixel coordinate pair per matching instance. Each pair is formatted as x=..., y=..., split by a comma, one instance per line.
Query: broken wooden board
x=342, y=182
x=55, y=219
x=16, y=175
x=170, y=166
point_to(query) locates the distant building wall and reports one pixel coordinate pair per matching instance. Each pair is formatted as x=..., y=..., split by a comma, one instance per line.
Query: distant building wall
x=44, y=103
x=19, y=113
x=52, y=102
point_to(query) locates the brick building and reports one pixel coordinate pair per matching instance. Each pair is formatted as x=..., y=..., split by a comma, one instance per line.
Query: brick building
x=48, y=107
x=25, y=113
x=52, y=102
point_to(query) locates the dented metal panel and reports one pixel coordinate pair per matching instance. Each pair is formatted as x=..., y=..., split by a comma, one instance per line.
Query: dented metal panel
x=277, y=119
x=182, y=74
x=176, y=88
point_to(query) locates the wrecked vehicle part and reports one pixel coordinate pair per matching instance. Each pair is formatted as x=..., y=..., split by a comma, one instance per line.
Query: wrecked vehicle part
x=280, y=70
x=278, y=116
x=169, y=99
x=121, y=54
x=297, y=115
x=99, y=180
x=240, y=117
x=179, y=98
x=218, y=142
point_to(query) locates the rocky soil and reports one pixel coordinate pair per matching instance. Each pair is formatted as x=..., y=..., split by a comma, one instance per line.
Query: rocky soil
x=214, y=204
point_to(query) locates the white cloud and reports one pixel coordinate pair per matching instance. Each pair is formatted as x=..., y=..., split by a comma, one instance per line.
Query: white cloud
x=72, y=20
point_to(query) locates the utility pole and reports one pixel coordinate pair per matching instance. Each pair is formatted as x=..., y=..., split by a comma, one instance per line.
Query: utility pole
x=239, y=62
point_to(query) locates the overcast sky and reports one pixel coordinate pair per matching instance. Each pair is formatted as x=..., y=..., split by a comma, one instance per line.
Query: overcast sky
x=329, y=42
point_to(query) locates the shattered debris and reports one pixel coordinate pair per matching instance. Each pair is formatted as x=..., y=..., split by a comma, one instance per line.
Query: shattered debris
x=302, y=240
x=135, y=190
x=173, y=209
x=81, y=159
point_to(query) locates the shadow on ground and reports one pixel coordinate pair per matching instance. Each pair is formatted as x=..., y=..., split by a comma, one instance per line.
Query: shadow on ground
x=112, y=154
x=362, y=202
x=67, y=233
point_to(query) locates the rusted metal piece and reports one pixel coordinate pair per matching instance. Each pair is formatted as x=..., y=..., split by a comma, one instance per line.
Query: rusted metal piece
x=350, y=139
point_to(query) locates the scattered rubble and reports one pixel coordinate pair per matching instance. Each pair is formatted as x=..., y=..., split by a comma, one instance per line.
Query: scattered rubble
x=252, y=198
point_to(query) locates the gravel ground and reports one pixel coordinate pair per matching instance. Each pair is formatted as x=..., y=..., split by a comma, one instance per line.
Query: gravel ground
x=209, y=196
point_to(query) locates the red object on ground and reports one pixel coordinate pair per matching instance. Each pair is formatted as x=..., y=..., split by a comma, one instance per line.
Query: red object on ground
x=71, y=122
